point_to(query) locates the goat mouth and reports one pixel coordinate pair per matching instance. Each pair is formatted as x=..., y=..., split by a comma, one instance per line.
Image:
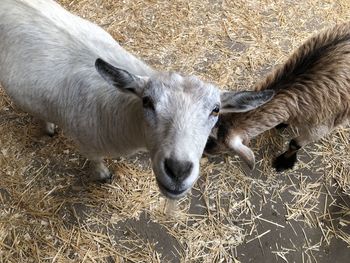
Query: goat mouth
x=169, y=193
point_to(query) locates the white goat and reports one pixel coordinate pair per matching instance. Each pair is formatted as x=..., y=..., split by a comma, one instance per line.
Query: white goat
x=48, y=61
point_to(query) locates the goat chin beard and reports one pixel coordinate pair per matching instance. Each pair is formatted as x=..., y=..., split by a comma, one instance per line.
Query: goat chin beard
x=244, y=152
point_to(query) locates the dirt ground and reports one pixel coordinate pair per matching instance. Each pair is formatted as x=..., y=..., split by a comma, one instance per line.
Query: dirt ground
x=50, y=213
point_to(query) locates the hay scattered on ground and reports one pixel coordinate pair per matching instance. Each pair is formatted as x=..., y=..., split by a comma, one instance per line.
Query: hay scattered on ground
x=48, y=212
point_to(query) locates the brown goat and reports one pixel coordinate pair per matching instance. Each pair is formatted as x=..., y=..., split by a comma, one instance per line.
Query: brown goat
x=312, y=95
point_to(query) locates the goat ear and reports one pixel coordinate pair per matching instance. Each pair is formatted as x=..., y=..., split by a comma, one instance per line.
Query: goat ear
x=120, y=78
x=244, y=152
x=244, y=100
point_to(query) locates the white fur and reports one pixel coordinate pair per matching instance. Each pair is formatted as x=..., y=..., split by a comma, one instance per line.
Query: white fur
x=236, y=144
x=47, y=58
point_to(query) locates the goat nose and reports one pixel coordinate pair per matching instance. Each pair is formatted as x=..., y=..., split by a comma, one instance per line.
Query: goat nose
x=176, y=169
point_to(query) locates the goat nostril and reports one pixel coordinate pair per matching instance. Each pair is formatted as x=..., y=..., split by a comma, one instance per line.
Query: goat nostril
x=168, y=166
x=187, y=168
x=177, y=169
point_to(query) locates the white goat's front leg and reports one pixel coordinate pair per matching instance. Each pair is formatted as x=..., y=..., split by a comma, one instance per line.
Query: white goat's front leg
x=288, y=159
x=49, y=128
x=99, y=171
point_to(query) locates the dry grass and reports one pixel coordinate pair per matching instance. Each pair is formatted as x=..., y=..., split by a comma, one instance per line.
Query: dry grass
x=48, y=213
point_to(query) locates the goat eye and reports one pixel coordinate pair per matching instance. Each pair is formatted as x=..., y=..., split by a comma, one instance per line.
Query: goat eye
x=147, y=103
x=215, y=111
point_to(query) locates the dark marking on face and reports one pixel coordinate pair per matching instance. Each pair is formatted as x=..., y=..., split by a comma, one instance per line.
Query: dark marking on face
x=223, y=130
x=211, y=146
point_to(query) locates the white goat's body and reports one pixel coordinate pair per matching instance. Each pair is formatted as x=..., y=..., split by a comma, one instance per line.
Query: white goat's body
x=47, y=58
x=67, y=71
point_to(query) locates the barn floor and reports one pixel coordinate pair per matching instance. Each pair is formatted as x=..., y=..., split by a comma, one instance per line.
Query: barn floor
x=49, y=212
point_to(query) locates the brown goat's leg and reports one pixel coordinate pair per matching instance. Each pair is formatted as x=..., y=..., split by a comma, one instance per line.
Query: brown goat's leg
x=288, y=158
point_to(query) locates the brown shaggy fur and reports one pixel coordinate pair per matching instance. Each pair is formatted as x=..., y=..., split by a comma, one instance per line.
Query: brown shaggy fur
x=312, y=93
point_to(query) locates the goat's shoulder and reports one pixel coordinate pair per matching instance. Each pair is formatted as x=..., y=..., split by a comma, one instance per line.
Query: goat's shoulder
x=316, y=59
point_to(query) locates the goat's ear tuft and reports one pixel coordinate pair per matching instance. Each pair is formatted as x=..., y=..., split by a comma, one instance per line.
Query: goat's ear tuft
x=244, y=101
x=119, y=78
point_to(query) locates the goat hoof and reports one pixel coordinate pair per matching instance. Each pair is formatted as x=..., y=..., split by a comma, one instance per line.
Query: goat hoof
x=50, y=134
x=107, y=180
x=101, y=174
x=284, y=162
x=50, y=129
x=104, y=177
